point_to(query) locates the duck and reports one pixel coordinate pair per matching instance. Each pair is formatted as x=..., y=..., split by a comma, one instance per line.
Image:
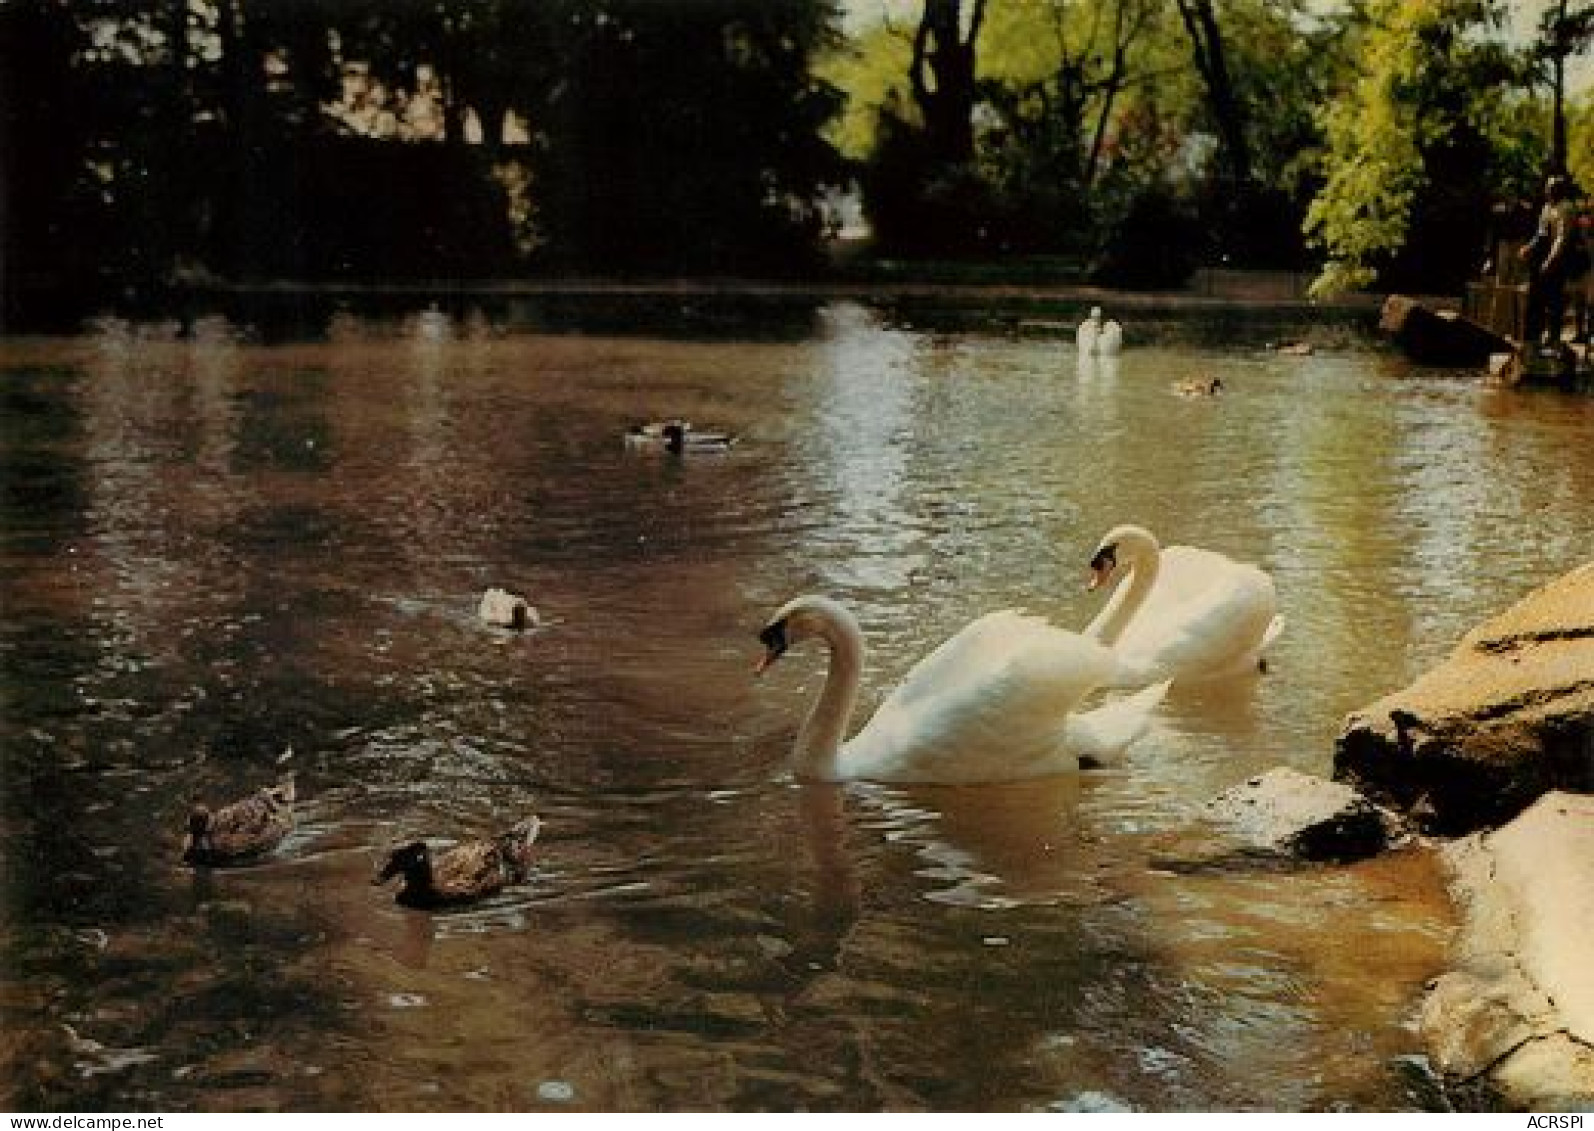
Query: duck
x=997, y=702
x=242, y=829
x=651, y=434
x=680, y=439
x=1095, y=336
x=1183, y=614
x=467, y=871
x=1203, y=387
x=504, y=609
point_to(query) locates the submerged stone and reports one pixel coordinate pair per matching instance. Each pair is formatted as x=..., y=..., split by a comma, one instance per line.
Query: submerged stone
x=1278, y=817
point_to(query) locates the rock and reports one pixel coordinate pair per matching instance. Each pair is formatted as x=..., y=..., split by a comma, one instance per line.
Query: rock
x=1517, y=1015
x=1438, y=337
x=1280, y=816
x=1290, y=813
x=1508, y=716
x=507, y=610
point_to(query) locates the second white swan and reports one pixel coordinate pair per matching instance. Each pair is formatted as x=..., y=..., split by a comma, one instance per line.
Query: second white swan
x=1183, y=614
x=996, y=702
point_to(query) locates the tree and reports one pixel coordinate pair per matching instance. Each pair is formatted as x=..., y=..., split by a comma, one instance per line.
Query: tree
x=687, y=136
x=1410, y=166
x=942, y=73
x=1228, y=112
x=1565, y=29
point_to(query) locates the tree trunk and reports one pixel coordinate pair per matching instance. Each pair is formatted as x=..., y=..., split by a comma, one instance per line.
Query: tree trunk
x=1558, y=122
x=1206, y=42
x=943, y=77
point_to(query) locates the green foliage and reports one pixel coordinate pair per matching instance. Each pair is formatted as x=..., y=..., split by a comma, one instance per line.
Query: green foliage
x=1157, y=244
x=1580, y=141
x=870, y=70
x=1409, y=168
x=687, y=136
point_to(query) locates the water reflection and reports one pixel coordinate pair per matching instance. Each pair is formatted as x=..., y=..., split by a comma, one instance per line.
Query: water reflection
x=216, y=551
x=994, y=846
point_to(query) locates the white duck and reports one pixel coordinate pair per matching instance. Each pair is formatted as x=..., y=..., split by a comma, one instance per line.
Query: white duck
x=1098, y=337
x=994, y=703
x=504, y=609
x=1184, y=614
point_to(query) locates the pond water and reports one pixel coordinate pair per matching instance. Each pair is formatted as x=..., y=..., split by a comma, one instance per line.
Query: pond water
x=221, y=561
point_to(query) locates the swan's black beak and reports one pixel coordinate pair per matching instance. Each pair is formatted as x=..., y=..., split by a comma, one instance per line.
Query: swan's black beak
x=775, y=645
x=1102, y=566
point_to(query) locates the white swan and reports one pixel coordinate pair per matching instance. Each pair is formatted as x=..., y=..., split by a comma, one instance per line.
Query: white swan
x=1184, y=614
x=994, y=703
x=1096, y=336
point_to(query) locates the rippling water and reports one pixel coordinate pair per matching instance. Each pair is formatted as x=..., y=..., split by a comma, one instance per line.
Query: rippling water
x=225, y=560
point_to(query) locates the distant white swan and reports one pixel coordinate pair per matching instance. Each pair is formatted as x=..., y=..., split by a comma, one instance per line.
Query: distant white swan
x=997, y=702
x=1183, y=614
x=1098, y=337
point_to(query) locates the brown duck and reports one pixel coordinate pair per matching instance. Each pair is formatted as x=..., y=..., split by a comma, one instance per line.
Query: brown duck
x=467, y=871
x=243, y=829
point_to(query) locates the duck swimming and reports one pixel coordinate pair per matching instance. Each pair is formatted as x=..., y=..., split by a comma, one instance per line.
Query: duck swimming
x=242, y=829
x=1204, y=387
x=507, y=610
x=469, y=870
x=681, y=439
x=651, y=434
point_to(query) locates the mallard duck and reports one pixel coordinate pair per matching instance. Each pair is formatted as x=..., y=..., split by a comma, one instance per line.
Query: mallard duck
x=681, y=439
x=1204, y=387
x=467, y=871
x=651, y=434
x=242, y=829
x=507, y=610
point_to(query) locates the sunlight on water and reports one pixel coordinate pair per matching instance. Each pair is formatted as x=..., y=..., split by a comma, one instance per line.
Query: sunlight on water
x=224, y=559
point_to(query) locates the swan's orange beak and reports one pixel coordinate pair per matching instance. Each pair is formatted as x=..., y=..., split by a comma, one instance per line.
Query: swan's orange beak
x=1098, y=578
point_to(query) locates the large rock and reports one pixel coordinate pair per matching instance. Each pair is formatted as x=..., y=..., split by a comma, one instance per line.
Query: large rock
x=1507, y=717
x=1517, y=1014
x=1439, y=337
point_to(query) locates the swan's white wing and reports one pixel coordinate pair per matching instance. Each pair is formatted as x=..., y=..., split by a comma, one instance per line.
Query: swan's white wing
x=980, y=648
x=1206, y=616
x=1100, y=737
x=988, y=705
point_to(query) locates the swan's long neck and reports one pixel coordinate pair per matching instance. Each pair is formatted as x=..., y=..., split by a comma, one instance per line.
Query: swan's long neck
x=818, y=750
x=1144, y=563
